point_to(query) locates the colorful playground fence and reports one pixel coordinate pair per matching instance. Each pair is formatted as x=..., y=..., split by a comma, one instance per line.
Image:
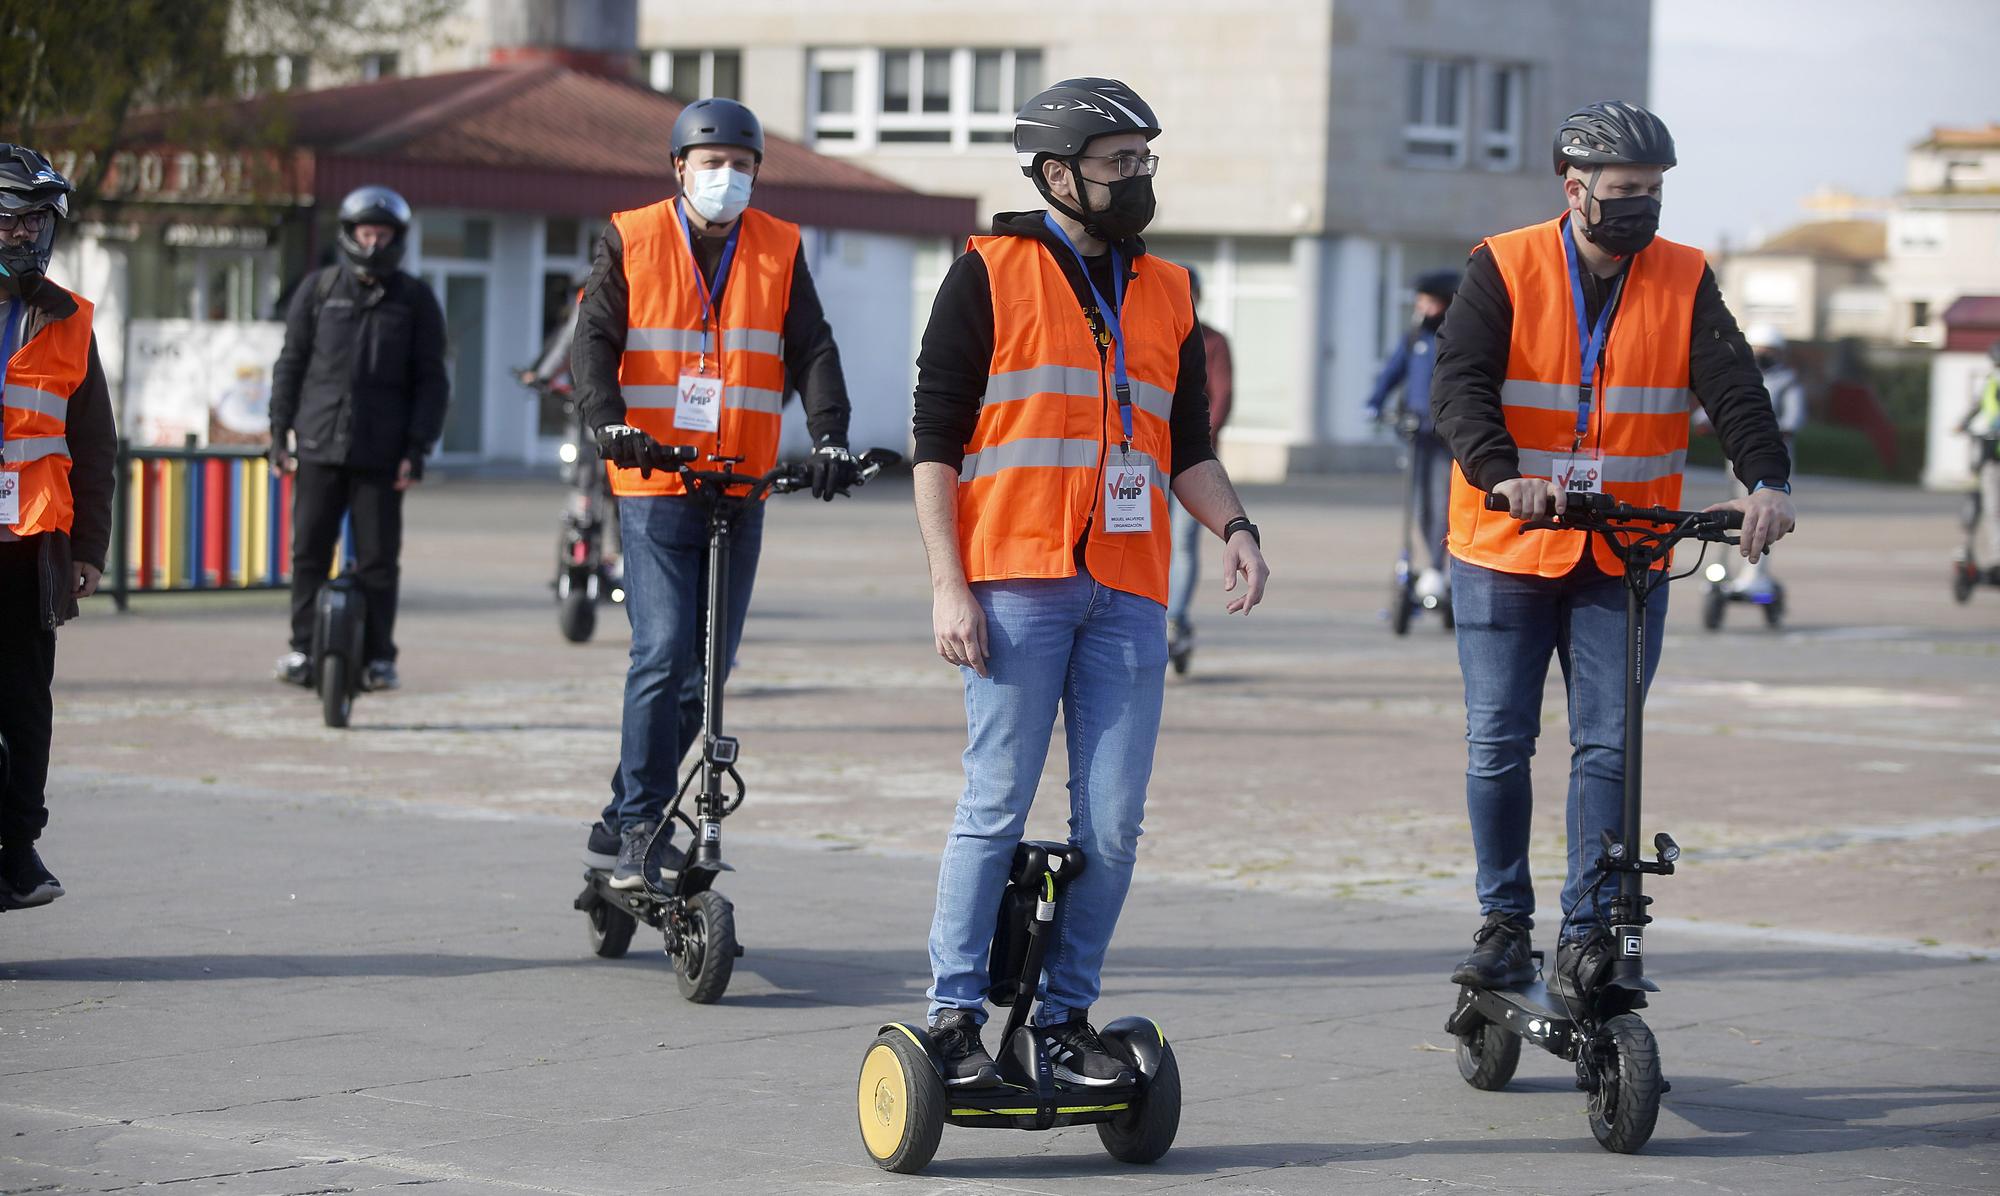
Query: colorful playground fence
x=197, y=519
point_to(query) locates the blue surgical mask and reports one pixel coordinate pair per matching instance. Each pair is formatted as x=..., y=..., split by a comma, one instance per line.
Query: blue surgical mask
x=720, y=195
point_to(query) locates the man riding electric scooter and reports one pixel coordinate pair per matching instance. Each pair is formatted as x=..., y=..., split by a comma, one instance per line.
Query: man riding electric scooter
x=1979, y=560
x=1059, y=392
x=1564, y=367
x=1752, y=582
x=1409, y=367
x=698, y=316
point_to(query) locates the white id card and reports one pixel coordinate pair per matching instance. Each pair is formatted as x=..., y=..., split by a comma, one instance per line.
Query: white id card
x=699, y=407
x=1128, y=500
x=10, y=499
x=1578, y=475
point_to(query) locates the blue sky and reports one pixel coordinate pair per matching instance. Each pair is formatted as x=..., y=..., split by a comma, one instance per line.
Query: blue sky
x=1769, y=99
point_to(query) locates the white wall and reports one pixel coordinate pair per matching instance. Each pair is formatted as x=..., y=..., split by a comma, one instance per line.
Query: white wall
x=863, y=281
x=1955, y=378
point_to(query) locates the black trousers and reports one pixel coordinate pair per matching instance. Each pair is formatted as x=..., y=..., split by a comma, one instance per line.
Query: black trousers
x=321, y=495
x=27, y=712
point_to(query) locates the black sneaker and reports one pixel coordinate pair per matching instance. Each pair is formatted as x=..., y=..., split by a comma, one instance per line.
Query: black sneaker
x=601, y=849
x=380, y=675
x=955, y=1034
x=295, y=668
x=629, y=871
x=1580, y=967
x=1078, y=1057
x=1500, y=957
x=24, y=882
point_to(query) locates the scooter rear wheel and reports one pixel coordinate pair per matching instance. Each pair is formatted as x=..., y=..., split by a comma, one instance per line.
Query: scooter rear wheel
x=577, y=614
x=1964, y=579
x=1626, y=1104
x=610, y=930
x=1713, y=605
x=336, y=693
x=901, y=1104
x=1145, y=1131
x=1488, y=1056
x=1774, y=610
x=1402, y=606
x=708, y=949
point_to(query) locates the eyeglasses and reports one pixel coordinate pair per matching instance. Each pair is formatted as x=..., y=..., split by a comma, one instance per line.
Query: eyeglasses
x=34, y=221
x=1129, y=165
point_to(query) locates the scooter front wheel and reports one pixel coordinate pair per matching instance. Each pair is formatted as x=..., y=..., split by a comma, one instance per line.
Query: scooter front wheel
x=901, y=1104
x=708, y=948
x=1626, y=1104
x=1145, y=1131
x=336, y=693
x=577, y=613
x=1488, y=1056
x=1964, y=579
x=1713, y=605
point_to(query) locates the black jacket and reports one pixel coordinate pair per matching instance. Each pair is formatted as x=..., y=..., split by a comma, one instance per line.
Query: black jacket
x=812, y=361
x=1472, y=362
x=957, y=353
x=93, y=456
x=361, y=380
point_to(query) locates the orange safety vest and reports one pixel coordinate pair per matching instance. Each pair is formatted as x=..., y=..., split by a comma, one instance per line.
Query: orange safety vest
x=1049, y=439
x=663, y=339
x=41, y=377
x=1639, y=413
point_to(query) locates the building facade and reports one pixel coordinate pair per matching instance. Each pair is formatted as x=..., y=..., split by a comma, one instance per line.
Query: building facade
x=1944, y=232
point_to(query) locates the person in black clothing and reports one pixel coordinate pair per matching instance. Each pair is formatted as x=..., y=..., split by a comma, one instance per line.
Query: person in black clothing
x=357, y=401
x=57, y=462
x=1519, y=599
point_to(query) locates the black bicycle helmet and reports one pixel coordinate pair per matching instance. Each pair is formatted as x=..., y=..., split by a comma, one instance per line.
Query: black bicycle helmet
x=1061, y=120
x=717, y=122
x=1441, y=283
x=28, y=183
x=374, y=205
x=1613, y=133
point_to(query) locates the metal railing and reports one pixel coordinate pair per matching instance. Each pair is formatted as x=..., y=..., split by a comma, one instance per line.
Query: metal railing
x=194, y=519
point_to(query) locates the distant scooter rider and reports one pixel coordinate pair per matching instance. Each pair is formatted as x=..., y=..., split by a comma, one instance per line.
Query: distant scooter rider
x=698, y=316
x=358, y=400
x=1565, y=366
x=1430, y=461
x=1184, y=575
x=1982, y=424
x=1788, y=402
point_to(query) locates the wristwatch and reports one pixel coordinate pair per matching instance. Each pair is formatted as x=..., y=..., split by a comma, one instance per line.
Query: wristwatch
x=1241, y=524
x=1780, y=487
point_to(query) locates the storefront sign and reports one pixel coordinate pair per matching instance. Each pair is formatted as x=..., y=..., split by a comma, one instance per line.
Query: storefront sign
x=208, y=379
x=216, y=236
x=191, y=176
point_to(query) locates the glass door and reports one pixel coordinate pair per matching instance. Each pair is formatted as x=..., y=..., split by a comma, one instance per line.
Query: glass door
x=463, y=296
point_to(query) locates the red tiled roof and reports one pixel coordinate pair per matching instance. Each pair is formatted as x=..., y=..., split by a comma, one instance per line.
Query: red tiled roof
x=1842, y=240
x=540, y=137
x=1986, y=138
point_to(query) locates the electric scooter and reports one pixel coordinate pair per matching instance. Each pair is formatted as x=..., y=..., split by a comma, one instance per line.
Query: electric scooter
x=586, y=572
x=902, y=1101
x=1966, y=574
x=340, y=618
x=678, y=897
x=1616, y=1056
x=1413, y=592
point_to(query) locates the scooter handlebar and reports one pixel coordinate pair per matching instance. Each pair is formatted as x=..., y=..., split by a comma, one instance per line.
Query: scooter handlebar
x=1607, y=509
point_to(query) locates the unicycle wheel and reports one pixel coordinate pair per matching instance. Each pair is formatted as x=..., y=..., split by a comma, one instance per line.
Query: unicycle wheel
x=900, y=1102
x=610, y=930
x=1626, y=1104
x=708, y=948
x=1488, y=1056
x=1144, y=1131
x=336, y=693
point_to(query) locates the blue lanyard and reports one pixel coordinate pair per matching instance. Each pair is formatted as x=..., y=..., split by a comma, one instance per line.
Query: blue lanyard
x=710, y=295
x=1592, y=340
x=1108, y=312
x=7, y=355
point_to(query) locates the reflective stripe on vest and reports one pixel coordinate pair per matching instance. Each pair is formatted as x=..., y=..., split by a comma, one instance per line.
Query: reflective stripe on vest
x=1640, y=402
x=41, y=377
x=663, y=340
x=1032, y=482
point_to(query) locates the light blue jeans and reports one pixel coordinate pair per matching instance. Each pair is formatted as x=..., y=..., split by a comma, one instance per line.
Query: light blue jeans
x=1182, y=574
x=1100, y=655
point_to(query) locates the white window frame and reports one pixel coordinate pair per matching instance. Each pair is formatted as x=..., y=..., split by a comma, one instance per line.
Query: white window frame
x=1430, y=127
x=863, y=130
x=1508, y=141
x=660, y=68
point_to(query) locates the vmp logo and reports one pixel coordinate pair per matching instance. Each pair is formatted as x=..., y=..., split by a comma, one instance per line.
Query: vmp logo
x=1125, y=487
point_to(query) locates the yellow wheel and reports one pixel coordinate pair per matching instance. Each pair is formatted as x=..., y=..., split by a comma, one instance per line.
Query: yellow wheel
x=901, y=1104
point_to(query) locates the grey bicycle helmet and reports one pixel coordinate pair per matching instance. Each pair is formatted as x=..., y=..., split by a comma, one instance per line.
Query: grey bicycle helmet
x=717, y=122
x=1613, y=133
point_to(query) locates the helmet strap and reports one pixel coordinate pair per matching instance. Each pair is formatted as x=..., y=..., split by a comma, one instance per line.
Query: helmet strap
x=1075, y=165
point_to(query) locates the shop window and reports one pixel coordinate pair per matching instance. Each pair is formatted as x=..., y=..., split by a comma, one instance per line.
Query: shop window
x=260, y=74
x=380, y=64
x=1435, y=113
x=689, y=75
x=449, y=235
x=955, y=96
x=1500, y=124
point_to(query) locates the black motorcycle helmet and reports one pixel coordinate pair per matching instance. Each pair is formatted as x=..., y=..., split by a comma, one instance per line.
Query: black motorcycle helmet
x=374, y=205
x=28, y=183
x=1613, y=133
x=1441, y=283
x=718, y=122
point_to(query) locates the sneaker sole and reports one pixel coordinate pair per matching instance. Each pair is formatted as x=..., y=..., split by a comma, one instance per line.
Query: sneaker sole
x=628, y=883
x=988, y=1077
x=34, y=900
x=602, y=861
x=1065, y=1076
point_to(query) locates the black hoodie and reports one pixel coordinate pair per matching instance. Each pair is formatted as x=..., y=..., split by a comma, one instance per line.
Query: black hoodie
x=957, y=353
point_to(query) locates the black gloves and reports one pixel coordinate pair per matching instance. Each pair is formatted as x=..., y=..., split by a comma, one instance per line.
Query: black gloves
x=628, y=447
x=832, y=469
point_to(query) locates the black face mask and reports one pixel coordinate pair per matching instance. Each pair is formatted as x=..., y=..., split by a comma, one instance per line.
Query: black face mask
x=1625, y=225
x=1432, y=323
x=1126, y=214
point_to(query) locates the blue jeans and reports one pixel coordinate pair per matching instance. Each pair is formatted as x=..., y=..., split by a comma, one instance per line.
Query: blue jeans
x=1183, y=574
x=1430, y=475
x=1508, y=625
x=666, y=598
x=1100, y=654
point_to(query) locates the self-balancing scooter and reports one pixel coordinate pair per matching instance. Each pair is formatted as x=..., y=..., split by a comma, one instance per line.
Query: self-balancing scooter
x=678, y=898
x=340, y=616
x=1413, y=591
x=1617, y=1059
x=902, y=1100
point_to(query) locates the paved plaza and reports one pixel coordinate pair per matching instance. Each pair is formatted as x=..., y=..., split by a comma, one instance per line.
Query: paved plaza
x=297, y=960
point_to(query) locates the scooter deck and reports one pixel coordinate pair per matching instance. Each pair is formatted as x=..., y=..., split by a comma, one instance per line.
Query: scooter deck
x=1010, y=1106
x=1529, y=1011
